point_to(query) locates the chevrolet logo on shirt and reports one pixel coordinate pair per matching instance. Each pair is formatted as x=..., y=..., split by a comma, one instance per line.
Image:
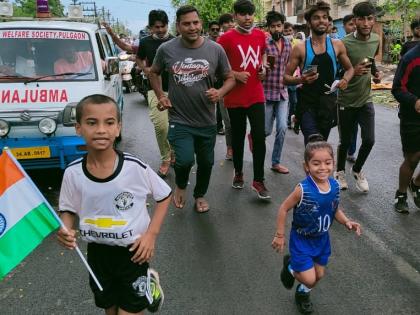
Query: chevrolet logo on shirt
x=105, y=223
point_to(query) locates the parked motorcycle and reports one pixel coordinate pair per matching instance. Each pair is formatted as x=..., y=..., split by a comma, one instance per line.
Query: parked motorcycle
x=141, y=82
x=126, y=66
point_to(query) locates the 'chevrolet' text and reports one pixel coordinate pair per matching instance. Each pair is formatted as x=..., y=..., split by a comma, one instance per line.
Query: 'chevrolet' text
x=108, y=235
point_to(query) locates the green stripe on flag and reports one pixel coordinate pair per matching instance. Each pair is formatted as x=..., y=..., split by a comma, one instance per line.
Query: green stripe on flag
x=25, y=236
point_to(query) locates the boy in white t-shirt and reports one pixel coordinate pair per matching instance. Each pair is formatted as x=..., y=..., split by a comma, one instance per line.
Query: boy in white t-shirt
x=107, y=190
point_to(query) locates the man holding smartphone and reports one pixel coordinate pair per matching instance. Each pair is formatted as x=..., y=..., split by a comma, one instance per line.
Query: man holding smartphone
x=276, y=97
x=355, y=104
x=317, y=57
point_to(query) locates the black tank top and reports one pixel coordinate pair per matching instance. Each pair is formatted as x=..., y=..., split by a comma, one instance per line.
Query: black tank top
x=311, y=92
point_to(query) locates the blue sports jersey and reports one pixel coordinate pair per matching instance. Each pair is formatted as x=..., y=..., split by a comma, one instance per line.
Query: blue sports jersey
x=315, y=213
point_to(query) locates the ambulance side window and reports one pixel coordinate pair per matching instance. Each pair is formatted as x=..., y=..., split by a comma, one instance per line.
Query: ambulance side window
x=106, y=45
x=101, y=48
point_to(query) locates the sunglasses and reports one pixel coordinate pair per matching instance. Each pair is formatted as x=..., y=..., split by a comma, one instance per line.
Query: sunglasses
x=215, y=29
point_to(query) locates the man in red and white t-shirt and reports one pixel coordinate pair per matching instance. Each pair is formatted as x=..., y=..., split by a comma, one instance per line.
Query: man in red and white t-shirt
x=245, y=47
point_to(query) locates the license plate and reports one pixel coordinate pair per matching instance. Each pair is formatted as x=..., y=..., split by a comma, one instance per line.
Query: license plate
x=31, y=153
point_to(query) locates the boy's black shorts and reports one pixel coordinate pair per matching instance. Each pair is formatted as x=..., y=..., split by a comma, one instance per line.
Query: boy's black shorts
x=123, y=282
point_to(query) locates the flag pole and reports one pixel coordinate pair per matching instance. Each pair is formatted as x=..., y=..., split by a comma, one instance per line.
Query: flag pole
x=11, y=156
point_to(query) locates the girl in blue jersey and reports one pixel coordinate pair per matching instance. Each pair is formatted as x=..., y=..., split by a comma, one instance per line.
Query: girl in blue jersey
x=315, y=204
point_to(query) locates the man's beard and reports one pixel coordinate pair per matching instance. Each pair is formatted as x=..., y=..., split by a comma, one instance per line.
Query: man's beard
x=276, y=36
x=318, y=32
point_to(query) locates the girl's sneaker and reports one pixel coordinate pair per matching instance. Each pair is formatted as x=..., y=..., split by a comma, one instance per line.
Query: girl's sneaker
x=303, y=302
x=154, y=292
x=286, y=277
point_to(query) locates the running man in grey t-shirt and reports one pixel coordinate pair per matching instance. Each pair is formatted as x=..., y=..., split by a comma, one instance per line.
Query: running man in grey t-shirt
x=193, y=63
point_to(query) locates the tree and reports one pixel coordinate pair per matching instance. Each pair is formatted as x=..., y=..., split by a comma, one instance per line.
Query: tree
x=406, y=8
x=28, y=8
x=211, y=9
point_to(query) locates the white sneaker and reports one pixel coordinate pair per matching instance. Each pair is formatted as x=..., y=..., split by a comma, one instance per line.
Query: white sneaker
x=341, y=179
x=361, y=181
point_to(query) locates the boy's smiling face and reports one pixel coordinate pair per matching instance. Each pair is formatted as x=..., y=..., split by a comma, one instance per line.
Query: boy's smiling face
x=99, y=126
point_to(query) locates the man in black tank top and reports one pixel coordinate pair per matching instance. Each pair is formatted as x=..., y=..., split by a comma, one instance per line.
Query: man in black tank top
x=316, y=111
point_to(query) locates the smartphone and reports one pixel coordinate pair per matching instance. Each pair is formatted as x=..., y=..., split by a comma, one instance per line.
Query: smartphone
x=271, y=59
x=368, y=61
x=311, y=69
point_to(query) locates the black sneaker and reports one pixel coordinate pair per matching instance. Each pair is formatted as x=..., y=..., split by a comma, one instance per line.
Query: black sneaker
x=286, y=277
x=303, y=302
x=260, y=189
x=400, y=204
x=415, y=191
x=238, y=180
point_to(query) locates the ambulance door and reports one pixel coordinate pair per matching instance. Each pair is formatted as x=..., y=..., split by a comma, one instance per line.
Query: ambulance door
x=112, y=86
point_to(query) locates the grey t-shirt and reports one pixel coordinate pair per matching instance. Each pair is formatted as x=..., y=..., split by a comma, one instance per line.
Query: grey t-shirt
x=192, y=71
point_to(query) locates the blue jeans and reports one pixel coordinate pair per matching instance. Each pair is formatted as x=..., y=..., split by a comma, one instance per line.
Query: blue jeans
x=276, y=110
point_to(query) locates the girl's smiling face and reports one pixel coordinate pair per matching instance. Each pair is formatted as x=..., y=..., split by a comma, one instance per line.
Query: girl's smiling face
x=321, y=164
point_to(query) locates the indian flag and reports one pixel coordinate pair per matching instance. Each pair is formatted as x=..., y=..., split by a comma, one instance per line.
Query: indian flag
x=25, y=219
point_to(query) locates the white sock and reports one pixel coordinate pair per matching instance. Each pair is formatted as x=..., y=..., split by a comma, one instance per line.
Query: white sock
x=291, y=270
x=303, y=288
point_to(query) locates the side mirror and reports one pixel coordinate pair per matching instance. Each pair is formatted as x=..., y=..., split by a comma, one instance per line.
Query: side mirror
x=69, y=115
x=111, y=67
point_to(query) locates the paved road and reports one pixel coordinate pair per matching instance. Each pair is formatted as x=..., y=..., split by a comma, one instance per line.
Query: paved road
x=222, y=262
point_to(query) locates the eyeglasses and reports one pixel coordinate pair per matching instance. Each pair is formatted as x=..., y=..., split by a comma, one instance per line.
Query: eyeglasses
x=215, y=29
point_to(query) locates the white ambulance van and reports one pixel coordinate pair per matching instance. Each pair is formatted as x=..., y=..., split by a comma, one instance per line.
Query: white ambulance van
x=46, y=67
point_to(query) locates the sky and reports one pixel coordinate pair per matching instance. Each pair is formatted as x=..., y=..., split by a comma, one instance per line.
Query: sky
x=133, y=13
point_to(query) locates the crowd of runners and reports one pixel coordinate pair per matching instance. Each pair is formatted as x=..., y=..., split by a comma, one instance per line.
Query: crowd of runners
x=265, y=78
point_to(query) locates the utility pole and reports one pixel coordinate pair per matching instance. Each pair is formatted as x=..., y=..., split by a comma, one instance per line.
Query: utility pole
x=108, y=16
x=404, y=18
x=87, y=8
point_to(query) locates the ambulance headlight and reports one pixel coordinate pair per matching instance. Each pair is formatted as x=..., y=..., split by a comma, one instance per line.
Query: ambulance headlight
x=47, y=126
x=4, y=128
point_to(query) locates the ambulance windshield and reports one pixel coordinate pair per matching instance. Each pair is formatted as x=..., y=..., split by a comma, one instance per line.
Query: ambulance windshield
x=45, y=55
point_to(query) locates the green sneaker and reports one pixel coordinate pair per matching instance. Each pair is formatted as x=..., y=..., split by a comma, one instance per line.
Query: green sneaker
x=154, y=292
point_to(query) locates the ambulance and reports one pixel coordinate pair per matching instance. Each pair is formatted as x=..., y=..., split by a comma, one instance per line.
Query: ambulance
x=46, y=67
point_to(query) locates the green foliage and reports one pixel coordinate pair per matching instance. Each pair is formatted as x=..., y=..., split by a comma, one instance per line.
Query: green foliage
x=212, y=9
x=405, y=10
x=409, y=7
x=395, y=53
x=27, y=8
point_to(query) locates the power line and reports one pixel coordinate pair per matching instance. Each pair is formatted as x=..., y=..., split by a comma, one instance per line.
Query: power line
x=150, y=4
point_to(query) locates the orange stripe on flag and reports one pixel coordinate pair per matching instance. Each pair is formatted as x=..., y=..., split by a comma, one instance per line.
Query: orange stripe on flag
x=9, y=172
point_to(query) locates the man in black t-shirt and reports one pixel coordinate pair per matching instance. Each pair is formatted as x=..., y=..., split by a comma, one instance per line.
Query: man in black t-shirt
x=158, y=24
x=415, y=29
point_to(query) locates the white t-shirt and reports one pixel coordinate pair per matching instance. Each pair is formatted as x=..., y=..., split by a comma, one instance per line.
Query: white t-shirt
x=113, y=210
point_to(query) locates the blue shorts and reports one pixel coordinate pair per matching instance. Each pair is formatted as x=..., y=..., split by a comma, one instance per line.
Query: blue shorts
x=305, y=251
